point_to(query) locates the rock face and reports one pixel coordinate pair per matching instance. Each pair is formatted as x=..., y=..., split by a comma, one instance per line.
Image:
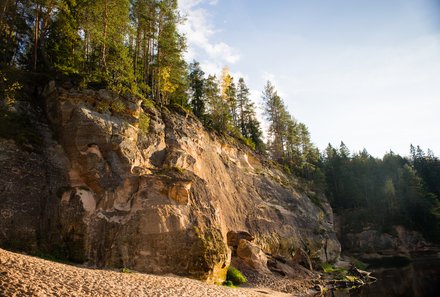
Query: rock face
x=161, y=201
x=372, y=243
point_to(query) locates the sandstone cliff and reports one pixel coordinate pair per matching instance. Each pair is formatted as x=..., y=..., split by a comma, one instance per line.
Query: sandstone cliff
x=101, y=190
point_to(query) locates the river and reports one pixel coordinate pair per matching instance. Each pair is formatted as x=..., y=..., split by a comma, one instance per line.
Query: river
x=419, y=278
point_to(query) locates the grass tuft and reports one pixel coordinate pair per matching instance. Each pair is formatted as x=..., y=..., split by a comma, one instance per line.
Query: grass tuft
x=235, y=276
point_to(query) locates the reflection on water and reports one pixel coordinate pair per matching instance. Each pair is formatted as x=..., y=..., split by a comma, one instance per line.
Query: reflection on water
x=421, y=278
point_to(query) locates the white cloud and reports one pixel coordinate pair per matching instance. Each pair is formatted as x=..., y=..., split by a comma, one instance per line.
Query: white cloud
x=267, y=76
x=199, y=31
x=210, y=67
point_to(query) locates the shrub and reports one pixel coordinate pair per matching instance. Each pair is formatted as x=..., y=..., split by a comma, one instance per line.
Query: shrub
x=327, y=267
x=126, y=270
x=338, y=273
x=147, y=103
x=249, y=143
x=144, y=122
x=118, y=106
x=8, y=90
x=228, y=283
x=235, y=276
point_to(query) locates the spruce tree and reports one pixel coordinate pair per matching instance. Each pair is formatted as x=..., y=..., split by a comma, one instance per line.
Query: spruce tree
x=277, y=117
x=196, y=88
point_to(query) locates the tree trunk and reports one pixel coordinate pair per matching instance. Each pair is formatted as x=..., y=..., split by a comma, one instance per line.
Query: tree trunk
x=36, y=35
x=136, y=49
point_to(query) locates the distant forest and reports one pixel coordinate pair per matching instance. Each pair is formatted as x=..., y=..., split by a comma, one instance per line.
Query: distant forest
x=134, y=48
x=380, y=193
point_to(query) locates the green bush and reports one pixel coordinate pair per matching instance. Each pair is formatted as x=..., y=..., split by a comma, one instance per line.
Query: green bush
x=147, y=103
x=126, y=270
x=235, y=276
x=249, y=143
x=228, y=284
x=8, y=90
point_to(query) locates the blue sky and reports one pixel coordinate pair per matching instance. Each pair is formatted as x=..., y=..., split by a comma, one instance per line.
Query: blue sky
x=364, y=72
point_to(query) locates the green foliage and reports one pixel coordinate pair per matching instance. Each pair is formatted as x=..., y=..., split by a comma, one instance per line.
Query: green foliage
x=19, y=128
x=147, y=103
x=144, y=122
x=229, y=283
x=102, y=107
x=249, y=143
x=183, y=110
x=127, y=46
x=235, y=276
x=8, y=90
x=327, y=267
x=196, y=88
x=13, y=29
x=126, y=270
x=381, y=193
x=118, y=106
x=338, y=273
x=289, y=140
x=316, y=200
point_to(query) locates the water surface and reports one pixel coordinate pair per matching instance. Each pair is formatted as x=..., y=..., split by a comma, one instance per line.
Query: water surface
x=419, y=278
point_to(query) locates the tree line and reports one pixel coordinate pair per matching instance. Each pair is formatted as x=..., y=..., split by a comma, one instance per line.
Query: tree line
x=119, y=44
x=380, y=193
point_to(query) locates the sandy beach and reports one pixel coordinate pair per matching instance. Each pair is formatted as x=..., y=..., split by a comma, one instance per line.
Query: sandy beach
x=22, y=275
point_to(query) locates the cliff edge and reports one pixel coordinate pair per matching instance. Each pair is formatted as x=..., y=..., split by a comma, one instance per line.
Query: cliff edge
x=103, y=188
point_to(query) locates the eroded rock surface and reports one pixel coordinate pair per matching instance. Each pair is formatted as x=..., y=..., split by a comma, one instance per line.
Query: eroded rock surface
x=158, y=201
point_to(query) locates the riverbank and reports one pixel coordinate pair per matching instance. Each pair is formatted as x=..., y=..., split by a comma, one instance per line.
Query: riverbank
x=419, y=278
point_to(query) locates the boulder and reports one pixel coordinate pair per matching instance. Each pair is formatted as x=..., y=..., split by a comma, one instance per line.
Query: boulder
x=234, y=237
x=252, y=255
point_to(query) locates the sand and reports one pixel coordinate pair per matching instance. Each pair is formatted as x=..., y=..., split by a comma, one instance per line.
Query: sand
x=22, y=275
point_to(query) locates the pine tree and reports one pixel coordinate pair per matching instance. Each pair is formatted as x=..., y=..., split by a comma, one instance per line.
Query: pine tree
x=228, y=93
x=65, y=46
x=220, y=117
x=196, y=88
x=277, y=117
x=13, y=31
x=243, y=107
x=247, y=121
x=106, y=24
x=170, y=68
